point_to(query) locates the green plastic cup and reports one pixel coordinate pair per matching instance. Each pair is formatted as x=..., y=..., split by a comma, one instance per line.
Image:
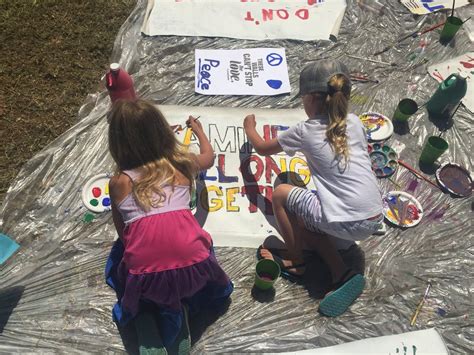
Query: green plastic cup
x=266, y=273
x=452, y=25
x=405, y=109
x=434, y=147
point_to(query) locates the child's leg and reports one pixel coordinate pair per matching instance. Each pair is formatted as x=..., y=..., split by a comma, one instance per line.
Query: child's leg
x=295, y=235
x=286, y=224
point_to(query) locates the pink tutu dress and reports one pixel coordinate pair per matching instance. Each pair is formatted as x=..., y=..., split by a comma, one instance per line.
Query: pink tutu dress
x=164, y=258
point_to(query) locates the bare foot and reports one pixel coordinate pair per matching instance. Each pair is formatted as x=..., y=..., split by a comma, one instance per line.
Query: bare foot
x=287, y=263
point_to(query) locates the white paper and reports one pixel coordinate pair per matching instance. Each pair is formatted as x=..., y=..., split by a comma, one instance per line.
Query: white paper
x=464, y=64
x=255, y=71
x=240, y=184
x=247, y=19
x=421, y=7
x=421, y=342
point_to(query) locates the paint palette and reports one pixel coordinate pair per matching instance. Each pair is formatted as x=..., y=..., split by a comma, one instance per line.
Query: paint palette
x=402, y=209
x=455, y=179
x=377, y=126
x=383, y=158
x=95, y=193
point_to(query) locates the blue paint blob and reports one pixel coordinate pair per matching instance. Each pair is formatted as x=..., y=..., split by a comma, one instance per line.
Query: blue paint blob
x=441, y=312
x=274, y=84
x=106, y=202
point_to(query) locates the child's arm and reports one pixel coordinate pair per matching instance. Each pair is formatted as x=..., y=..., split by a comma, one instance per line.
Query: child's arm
x=205, y=159
x=261, y=146
x=119, y=188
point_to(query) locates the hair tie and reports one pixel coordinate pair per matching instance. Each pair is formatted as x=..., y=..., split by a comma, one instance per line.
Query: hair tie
x=332, y=90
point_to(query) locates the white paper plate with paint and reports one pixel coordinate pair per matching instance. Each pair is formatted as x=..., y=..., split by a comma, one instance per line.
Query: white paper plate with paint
x=377, y=126
x=402, y=209
x=95, y=193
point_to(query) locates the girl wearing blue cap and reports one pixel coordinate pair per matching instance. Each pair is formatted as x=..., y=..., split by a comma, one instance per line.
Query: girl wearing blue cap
x=348, y=204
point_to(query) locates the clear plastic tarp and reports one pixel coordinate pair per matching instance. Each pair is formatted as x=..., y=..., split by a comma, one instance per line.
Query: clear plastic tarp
x=53, y=298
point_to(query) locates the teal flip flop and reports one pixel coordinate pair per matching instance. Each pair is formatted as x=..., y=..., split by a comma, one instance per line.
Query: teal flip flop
x=182, y=344
x=7, y=247
x=337, y=302
x=149, y=339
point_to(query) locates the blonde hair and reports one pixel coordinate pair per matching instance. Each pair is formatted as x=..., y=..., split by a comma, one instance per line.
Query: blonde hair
x=336, y=104
x=141, y=138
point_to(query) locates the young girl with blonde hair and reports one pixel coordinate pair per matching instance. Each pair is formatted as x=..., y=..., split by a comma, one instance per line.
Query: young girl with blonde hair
x=347, y=206
x=163, y=258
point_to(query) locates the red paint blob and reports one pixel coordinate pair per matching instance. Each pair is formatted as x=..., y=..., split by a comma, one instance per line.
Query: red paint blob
x=96, y=192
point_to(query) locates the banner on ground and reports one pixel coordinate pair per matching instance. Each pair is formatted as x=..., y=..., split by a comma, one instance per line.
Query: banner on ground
x=462, y=64
x=421, y=7
x=253, y=71
x=427, y=341
x=234, y=196
x=247, y=19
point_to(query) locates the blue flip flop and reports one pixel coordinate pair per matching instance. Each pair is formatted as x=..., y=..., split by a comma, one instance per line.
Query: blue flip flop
x=338, y=301
x=283, y=269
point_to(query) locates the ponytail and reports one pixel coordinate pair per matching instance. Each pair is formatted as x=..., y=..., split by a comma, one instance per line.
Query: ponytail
x=337, y=105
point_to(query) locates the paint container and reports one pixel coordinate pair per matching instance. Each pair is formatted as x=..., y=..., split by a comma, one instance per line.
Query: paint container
x=451, y=27
x=434, y=147
x=266, y=273
x=455, y=179
x=449, y=94
x=119, y=84
x=384, y=160
x=405, y=109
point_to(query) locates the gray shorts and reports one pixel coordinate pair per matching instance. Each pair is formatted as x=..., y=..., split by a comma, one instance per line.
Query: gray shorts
x=306, y=205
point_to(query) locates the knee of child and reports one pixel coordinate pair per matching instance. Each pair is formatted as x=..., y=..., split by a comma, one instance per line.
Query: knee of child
x=280, y=193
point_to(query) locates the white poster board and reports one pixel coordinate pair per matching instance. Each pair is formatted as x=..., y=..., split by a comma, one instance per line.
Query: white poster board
x=421, y=342
x=253, y=71
x=421, y=7
x=247, y=19
x=464, y=64
x=234, y=195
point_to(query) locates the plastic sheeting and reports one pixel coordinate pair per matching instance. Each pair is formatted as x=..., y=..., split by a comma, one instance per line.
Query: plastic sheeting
x=53, y=298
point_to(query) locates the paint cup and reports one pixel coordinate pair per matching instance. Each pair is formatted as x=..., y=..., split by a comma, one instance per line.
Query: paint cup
x=405, y=109
x=434, y=147
x=452, y=25
x=266, y=273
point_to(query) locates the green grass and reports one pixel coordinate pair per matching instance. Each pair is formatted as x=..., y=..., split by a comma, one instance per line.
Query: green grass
x=54, y=53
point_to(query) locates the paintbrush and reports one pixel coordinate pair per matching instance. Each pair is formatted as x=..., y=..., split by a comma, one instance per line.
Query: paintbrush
x=417, y=173
x=420, y=305
x=363, y=79
x=178, y=127
x=371, y=60
x=403, y=214
x=412, y=35
x=394, y=212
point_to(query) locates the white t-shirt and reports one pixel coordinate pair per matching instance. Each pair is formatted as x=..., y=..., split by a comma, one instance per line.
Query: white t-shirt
x=346, y=195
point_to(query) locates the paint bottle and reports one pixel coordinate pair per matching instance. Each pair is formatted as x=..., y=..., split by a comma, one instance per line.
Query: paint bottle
x=119, y=84
x=448, y=95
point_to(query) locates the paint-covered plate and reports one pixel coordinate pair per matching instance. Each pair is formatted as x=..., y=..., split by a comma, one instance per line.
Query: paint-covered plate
x=402, y=209
x=377, y=126
x=455, y=179
x=95, y=193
